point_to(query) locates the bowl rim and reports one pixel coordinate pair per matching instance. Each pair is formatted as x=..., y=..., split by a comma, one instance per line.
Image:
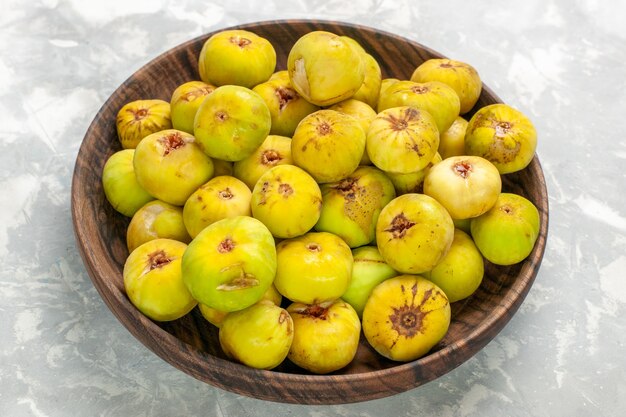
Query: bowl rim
x=146, y=331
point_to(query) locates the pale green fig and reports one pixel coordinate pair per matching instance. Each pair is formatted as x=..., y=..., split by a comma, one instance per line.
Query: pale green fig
x=218, y=199
x=452, y=141
x=120, y=184
x=328, y=145
x=506, y=234
x=402, y=140
x=313, y=268
x=384, y=84
x=326, y=336
x=221, y=167
x=462, y=77
x=156, y=220
x=463, y=224
x=153, y=280
x=237, y=57
x=170, y=166
x=140, y=118
x=275, y=150
x=503, y=135
x=361, y=111
x=414, y=232
x=438, y=99
x=230, y=264
x=368, y=93
x=405, y=317
x=186, y=100
x=413, y=182
x=258, y=336
x=350, y=207
x=368, y=270
x=461, y=271
x=467, y=186
x=287, y=200
x=231, y=123
x=324, y=68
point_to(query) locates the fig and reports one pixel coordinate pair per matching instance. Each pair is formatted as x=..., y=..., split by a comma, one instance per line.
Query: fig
x=452, y=141
x=282, y=76
x=405, y=317
x=140, y=118
x=350, y=207
x=362, y=112
x=328, y=145
x=313, y=268
x=413, y=182
x=286, y=106
x=326, y=336
x=463, y=224
x=231, y=123
x=462, y=77
x=287, y=200
x=153, y=280
x=155, y=220
x=467, y=186
x=186, y=100
x=384, y=84
x=325, y=68
x=120, y=184
x=221, y=167
x=275, y=150
x=414, y=232
x=503, y=135
x=170, y=166
x=258, y=336
x=438, y=99
x=368, y=270
x=506, y=234
x=218, y=199
x=402, y=140
x=368, y=93
x=461, y=271
x=236, y=57
x=216, y=317
x=230, y=264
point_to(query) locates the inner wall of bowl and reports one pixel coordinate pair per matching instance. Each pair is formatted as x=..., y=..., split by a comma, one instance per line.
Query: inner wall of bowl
x=180, y=65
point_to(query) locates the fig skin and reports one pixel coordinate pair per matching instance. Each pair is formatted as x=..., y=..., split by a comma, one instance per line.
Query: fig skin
x=275, y=150
x=219, y=198
x=140, y=118
x=414, y=232
x=153, y=280
x=237, y=57
x=462, y=77
x=170, y=166
x=328, y=145
x=350, y=207
x=185, y=101
x=438, y=99
x=503, y=135
x=360, y=111
x=221, y=167
x=506, y=234
x=258, y=336
x=384, y=84
x=287, y=200
x=286, y=106
x=402, y=140
x=325, y=68
x=405, y=317
x=230, y=264
x=326, y=336
x=313, y=268
x=120, y=185
x=155, y=220
x=372, y=77
x=467, y=186
x=412, y=182
x=461, y=271
x=452, y=141
x=368, y=270
x=231, y=123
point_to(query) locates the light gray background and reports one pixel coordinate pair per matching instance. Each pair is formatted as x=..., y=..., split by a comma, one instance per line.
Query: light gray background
x=62, y=353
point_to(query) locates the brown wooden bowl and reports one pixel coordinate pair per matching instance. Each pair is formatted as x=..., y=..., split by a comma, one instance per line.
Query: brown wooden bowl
x=190, y=343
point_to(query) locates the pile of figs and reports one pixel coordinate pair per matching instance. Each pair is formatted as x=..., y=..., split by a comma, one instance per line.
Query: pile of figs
x=301, y=209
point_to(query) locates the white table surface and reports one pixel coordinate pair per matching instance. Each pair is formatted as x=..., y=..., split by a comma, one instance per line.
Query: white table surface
x=563, y=63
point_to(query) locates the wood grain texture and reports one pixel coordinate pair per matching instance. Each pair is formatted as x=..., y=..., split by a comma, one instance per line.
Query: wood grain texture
x=190, y=343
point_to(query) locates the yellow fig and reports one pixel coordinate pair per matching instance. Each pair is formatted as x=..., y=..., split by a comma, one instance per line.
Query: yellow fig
x=140, y=118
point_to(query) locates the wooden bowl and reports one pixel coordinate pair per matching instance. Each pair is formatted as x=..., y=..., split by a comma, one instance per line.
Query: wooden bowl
x=190, y=343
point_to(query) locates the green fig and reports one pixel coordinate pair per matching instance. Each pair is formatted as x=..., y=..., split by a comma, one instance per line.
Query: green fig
x=275, y=150
x=186, y=100
x=155, y=220
x=120, y=184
